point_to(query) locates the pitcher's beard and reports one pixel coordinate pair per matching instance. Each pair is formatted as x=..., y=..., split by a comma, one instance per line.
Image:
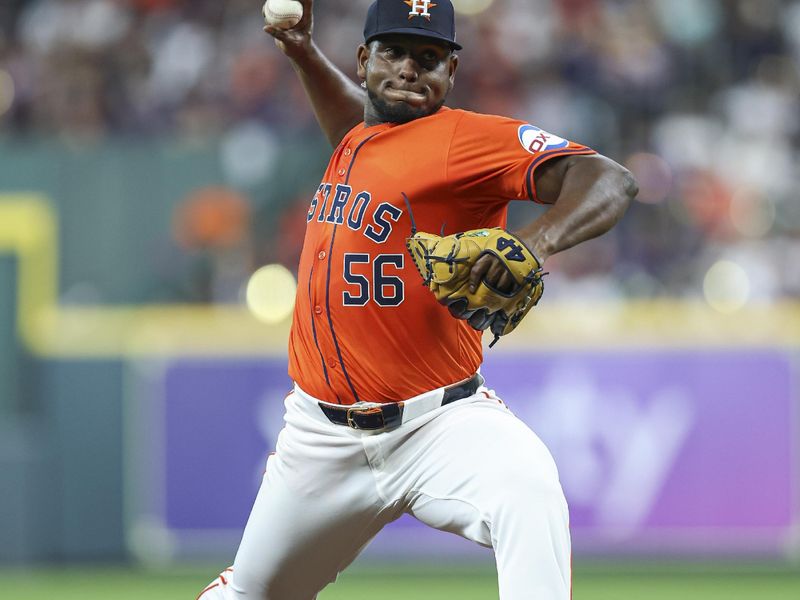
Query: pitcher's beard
x=398, y=112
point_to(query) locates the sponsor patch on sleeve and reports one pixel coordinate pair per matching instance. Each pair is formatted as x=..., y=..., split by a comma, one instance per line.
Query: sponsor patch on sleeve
x=536, y=141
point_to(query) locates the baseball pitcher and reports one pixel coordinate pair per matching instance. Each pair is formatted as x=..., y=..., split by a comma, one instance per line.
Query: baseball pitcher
x=407, y=260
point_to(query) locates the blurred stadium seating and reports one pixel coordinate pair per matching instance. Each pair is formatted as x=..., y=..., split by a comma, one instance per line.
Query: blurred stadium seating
x=700, y=99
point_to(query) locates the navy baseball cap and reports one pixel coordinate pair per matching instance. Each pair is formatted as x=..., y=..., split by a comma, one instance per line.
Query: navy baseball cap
x=427, y=18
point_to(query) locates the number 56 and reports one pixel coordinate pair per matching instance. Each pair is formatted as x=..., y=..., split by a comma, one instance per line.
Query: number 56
x=387, y=290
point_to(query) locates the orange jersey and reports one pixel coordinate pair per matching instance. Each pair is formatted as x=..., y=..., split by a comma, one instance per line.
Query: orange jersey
x=365, y=328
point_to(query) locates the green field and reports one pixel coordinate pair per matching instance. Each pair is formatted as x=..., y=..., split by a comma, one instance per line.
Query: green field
x=594, y=582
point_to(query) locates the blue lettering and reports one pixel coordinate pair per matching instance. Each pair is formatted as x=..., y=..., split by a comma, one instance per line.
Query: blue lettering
x=380, y=236
x=356, y=217
x=325, y=195
x=336, y=214
x=314, y=202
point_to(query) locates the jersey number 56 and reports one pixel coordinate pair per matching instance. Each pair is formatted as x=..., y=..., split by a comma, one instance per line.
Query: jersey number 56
x=385, y=289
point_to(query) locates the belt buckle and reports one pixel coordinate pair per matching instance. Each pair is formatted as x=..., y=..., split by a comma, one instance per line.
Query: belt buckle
x=365, y=411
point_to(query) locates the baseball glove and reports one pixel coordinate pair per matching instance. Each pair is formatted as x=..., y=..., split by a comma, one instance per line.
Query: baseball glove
x=445, y=264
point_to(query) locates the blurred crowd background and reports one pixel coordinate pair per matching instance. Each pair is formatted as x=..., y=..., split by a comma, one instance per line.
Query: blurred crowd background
x=171, y=153
x=698, y=98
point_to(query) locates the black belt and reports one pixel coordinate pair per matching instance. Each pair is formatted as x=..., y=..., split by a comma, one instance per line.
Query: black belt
x=390, y=415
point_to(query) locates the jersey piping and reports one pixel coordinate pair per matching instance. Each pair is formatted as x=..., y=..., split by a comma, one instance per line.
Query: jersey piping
x=544, y=156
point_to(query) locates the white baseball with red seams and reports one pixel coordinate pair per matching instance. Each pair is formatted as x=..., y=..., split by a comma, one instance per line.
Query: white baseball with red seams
x=283, y=14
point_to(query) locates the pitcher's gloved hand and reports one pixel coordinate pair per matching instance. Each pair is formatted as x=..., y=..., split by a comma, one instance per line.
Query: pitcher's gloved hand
x=445, y=264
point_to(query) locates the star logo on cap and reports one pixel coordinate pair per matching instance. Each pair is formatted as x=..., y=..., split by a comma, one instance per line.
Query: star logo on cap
x=420, y=8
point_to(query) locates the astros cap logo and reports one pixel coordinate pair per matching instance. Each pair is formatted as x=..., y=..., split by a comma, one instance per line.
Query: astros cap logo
x=420, y=8
x=435, y=19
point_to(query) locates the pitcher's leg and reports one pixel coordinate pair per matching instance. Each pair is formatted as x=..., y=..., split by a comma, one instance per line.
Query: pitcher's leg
x=294, y=545
x=480, y=472
x=316, y=509
x=530, y=536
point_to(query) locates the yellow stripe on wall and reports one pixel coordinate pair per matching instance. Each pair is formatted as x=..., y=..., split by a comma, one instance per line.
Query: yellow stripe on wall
x=28, y=230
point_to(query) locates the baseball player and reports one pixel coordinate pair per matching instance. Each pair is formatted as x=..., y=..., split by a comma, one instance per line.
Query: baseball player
x=389, y=413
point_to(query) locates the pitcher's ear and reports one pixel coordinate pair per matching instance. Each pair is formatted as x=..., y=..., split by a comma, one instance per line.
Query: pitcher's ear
x=362, y=58
x=453, y=68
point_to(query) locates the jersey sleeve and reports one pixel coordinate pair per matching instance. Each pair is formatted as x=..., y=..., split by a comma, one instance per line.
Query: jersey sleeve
x=496, y=157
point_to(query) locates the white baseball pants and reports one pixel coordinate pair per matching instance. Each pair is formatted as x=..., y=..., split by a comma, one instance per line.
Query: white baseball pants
x=470, y=467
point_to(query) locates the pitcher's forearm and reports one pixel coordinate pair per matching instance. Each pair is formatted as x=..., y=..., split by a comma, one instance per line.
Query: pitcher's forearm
x=337, y=101
x=594, y=193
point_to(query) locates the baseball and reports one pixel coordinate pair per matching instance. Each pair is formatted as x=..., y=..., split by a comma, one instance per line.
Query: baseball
x=283, y=14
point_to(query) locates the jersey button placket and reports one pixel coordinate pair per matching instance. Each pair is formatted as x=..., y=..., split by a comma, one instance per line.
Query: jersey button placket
x=344, y=162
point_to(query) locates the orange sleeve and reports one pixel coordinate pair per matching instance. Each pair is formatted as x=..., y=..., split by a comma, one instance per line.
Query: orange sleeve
x=496, y=157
